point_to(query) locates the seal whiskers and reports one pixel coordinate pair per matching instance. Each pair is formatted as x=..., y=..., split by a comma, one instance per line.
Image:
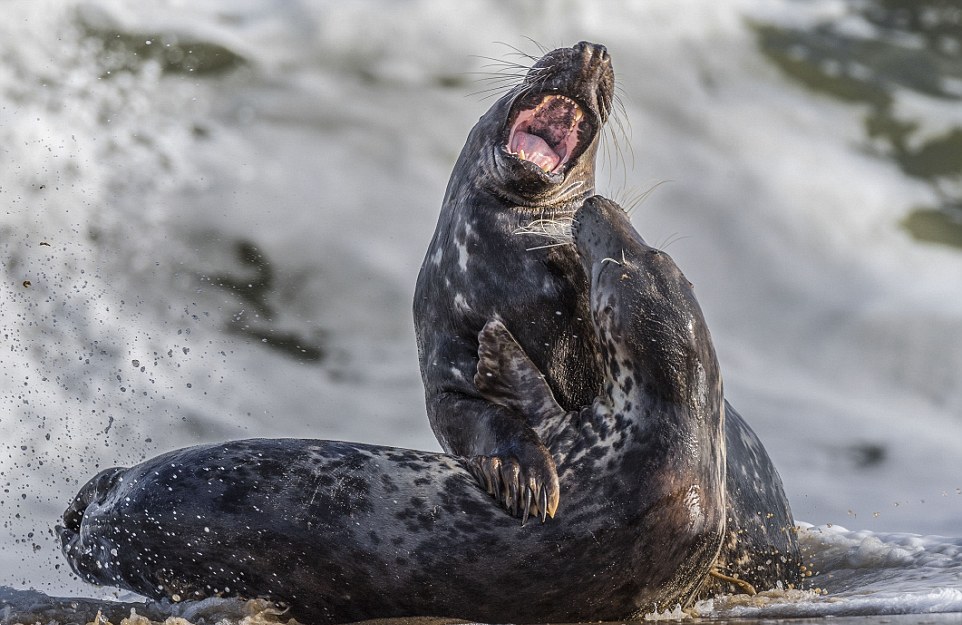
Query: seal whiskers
x=557, y=231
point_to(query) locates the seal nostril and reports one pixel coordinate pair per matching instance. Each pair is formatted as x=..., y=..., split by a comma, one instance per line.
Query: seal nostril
x=593, y=50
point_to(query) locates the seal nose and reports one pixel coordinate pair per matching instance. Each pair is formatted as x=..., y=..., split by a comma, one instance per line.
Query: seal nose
x=593, y=51
x=597, y=74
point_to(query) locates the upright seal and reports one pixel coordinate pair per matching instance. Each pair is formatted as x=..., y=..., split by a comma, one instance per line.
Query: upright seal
x=531, y=158
x=345, y=532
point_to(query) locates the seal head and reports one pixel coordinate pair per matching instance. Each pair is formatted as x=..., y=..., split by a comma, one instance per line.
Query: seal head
x=550, y=125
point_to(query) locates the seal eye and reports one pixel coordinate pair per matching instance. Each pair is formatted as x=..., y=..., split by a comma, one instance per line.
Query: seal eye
x=547, y=134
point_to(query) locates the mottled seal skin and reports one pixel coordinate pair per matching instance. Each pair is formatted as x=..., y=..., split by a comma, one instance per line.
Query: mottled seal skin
x=344, y=532
x=479, y=267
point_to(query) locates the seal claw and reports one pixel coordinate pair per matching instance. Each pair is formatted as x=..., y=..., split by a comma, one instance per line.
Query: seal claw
x=517, y=482
x=527, y=506
x=544, y=504
x=513, y=498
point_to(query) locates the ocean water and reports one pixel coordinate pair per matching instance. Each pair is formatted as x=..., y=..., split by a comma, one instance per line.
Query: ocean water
x=212, y=217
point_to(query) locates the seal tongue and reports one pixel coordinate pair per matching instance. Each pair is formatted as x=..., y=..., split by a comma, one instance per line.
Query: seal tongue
x=547, y=133
x=533, y=148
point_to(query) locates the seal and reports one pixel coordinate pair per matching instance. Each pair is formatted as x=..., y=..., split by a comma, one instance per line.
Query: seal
x=531, y=156
x=344, y=532
x=530, y=159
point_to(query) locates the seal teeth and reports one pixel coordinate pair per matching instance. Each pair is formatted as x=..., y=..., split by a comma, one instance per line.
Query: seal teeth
x=547, y=134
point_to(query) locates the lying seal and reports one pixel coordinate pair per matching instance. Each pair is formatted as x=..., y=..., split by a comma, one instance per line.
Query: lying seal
x=344, y=532
x=531, y=158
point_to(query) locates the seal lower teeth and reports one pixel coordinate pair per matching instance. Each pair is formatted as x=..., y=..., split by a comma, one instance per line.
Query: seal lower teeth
x=547, y=134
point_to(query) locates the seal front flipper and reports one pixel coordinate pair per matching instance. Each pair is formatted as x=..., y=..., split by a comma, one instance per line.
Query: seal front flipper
x=506, y=376
x=523, y=478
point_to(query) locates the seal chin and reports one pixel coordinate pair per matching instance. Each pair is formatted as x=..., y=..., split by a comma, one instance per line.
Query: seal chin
x=549, y=130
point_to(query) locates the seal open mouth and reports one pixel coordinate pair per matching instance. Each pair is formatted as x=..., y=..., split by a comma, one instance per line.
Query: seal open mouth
x=549, y=133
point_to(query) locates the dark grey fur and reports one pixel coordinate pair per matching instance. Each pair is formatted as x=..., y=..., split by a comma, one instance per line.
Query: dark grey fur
x=345, y=532
x=478, y=268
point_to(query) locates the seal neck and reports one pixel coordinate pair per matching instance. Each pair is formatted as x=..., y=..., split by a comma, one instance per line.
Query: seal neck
x=484, y=198
x=660, y=367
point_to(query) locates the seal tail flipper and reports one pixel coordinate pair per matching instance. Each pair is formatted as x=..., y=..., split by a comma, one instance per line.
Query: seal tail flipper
x=83, y=557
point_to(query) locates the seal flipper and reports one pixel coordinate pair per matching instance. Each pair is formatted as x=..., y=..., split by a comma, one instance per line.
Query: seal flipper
x=524, y=477
x=506, y=376
x=93, y=491
x=83, y=557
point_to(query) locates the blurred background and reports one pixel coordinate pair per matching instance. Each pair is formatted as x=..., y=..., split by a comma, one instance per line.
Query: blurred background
x=212, y=217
